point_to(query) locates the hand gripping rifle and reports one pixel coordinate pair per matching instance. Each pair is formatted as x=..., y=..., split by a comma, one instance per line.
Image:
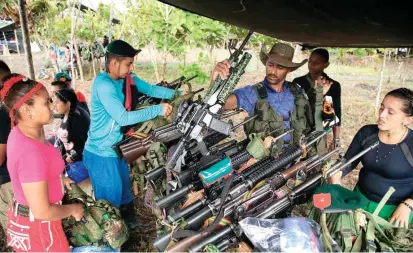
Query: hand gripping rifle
x=279, y=205
x=243, y=182
x=145, y=99
x=199, y=116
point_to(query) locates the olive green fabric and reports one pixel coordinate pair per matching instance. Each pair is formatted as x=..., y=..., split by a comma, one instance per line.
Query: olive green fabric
x=256, y=147
x=365, y=229
x=269, y=120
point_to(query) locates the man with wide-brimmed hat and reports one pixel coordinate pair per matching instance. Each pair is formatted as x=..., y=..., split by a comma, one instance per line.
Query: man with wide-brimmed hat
x=289, y=104
x=113, y=101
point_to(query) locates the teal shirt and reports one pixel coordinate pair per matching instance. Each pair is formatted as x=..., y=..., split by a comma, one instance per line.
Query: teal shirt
x=108, y=113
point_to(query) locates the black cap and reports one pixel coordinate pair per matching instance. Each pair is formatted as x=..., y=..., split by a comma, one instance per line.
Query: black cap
x=121, y=48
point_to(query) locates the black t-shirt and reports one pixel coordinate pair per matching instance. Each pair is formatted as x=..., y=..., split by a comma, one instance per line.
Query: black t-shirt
x=72, y=140
x=334, y=92
x=375, y=178
x=4, y=134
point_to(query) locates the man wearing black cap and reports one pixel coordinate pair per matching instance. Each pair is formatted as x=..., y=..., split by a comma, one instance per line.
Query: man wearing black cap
x=112, y=101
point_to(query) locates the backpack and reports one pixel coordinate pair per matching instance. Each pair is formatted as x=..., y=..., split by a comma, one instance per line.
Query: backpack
x=101, y=226
x=269, y=120
x=361, y=231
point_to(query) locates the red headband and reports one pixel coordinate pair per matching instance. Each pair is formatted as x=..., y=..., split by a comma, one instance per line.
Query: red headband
x=8, y=84
x=6, y=88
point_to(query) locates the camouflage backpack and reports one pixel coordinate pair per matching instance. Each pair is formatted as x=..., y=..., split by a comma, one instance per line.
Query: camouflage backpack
x=269, y=120
x=361, y=231
x=155, y=157
x=101, y=226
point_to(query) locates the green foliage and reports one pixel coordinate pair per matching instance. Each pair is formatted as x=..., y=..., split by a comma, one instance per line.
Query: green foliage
x=195, y=69
x=192, y=70
x=256, y=39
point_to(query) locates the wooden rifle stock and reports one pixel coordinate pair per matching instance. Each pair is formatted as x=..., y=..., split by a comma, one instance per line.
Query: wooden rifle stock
x=132, y=152
x=183, y=245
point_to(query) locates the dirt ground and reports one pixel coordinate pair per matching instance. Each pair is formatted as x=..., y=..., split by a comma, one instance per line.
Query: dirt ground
x=359, y=90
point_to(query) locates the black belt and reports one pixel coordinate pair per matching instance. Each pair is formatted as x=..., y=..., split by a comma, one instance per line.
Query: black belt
x=21, y=210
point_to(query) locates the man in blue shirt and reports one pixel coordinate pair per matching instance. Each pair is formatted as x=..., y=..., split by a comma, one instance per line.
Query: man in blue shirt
x=278, y=63
x=108, y=173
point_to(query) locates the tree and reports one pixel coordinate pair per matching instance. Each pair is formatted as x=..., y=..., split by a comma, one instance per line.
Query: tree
x=36, y=9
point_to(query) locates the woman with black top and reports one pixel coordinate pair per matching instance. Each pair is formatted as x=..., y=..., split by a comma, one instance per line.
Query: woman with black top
x=391, y=163
x=72, y=133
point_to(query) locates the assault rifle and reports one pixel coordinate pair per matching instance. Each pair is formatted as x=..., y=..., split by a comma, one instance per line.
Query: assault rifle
x=142, y=98
x=190, y=181
x=278, y=205
x=243, y=182
x=198, y=116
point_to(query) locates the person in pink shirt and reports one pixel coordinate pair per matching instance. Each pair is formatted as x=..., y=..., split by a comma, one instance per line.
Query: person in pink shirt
x=35, y=167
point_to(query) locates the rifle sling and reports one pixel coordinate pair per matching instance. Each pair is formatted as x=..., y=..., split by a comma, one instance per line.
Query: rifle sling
x=224, y=194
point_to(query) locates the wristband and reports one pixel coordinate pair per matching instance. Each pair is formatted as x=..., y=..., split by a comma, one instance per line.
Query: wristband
x=409, y=206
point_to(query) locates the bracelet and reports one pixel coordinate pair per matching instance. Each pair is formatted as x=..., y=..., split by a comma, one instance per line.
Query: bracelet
x=409, y=206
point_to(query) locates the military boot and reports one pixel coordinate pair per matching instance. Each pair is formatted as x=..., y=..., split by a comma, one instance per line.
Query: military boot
x=128, y=214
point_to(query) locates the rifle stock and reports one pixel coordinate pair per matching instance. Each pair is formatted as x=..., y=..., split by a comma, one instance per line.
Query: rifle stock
x=132, y=153
x=183, y=245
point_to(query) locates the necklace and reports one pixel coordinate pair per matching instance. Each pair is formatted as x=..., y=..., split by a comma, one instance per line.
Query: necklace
x=391, y=151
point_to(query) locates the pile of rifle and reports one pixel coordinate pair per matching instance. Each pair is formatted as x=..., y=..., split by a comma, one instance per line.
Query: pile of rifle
x=229, y=187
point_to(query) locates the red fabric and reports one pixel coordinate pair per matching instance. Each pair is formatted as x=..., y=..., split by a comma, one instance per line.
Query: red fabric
x=128, y=93
x=8, y=84
x=6, y=88
x=23, y=100
x=24, y=235
x=80, y=97
x=128, y=96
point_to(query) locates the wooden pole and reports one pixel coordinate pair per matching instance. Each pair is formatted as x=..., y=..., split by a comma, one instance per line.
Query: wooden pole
x=26, y=38
x=17, y=41
x=79, y=61
x=381, y=81
x=72, y=34
x=110, y=24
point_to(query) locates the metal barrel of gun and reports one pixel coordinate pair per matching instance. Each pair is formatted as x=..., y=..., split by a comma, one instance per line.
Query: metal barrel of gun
x=192, y=209
x=280, y=204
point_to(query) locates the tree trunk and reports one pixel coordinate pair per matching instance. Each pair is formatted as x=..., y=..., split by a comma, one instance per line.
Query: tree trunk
x=26, y=38
x=93, y=62
x=163, y=68
x=17, y=42
x=79, y=62
x=381, y=81
x=154, y=64
x=72, y=36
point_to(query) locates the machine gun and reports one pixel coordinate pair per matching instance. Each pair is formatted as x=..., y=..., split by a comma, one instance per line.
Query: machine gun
x=270, y=209
x=243, y=182
x=198, y=116
x=189, y=180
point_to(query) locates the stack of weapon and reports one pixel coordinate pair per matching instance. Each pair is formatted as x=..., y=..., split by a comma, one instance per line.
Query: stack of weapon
x=262, y=192
x=239, y=189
